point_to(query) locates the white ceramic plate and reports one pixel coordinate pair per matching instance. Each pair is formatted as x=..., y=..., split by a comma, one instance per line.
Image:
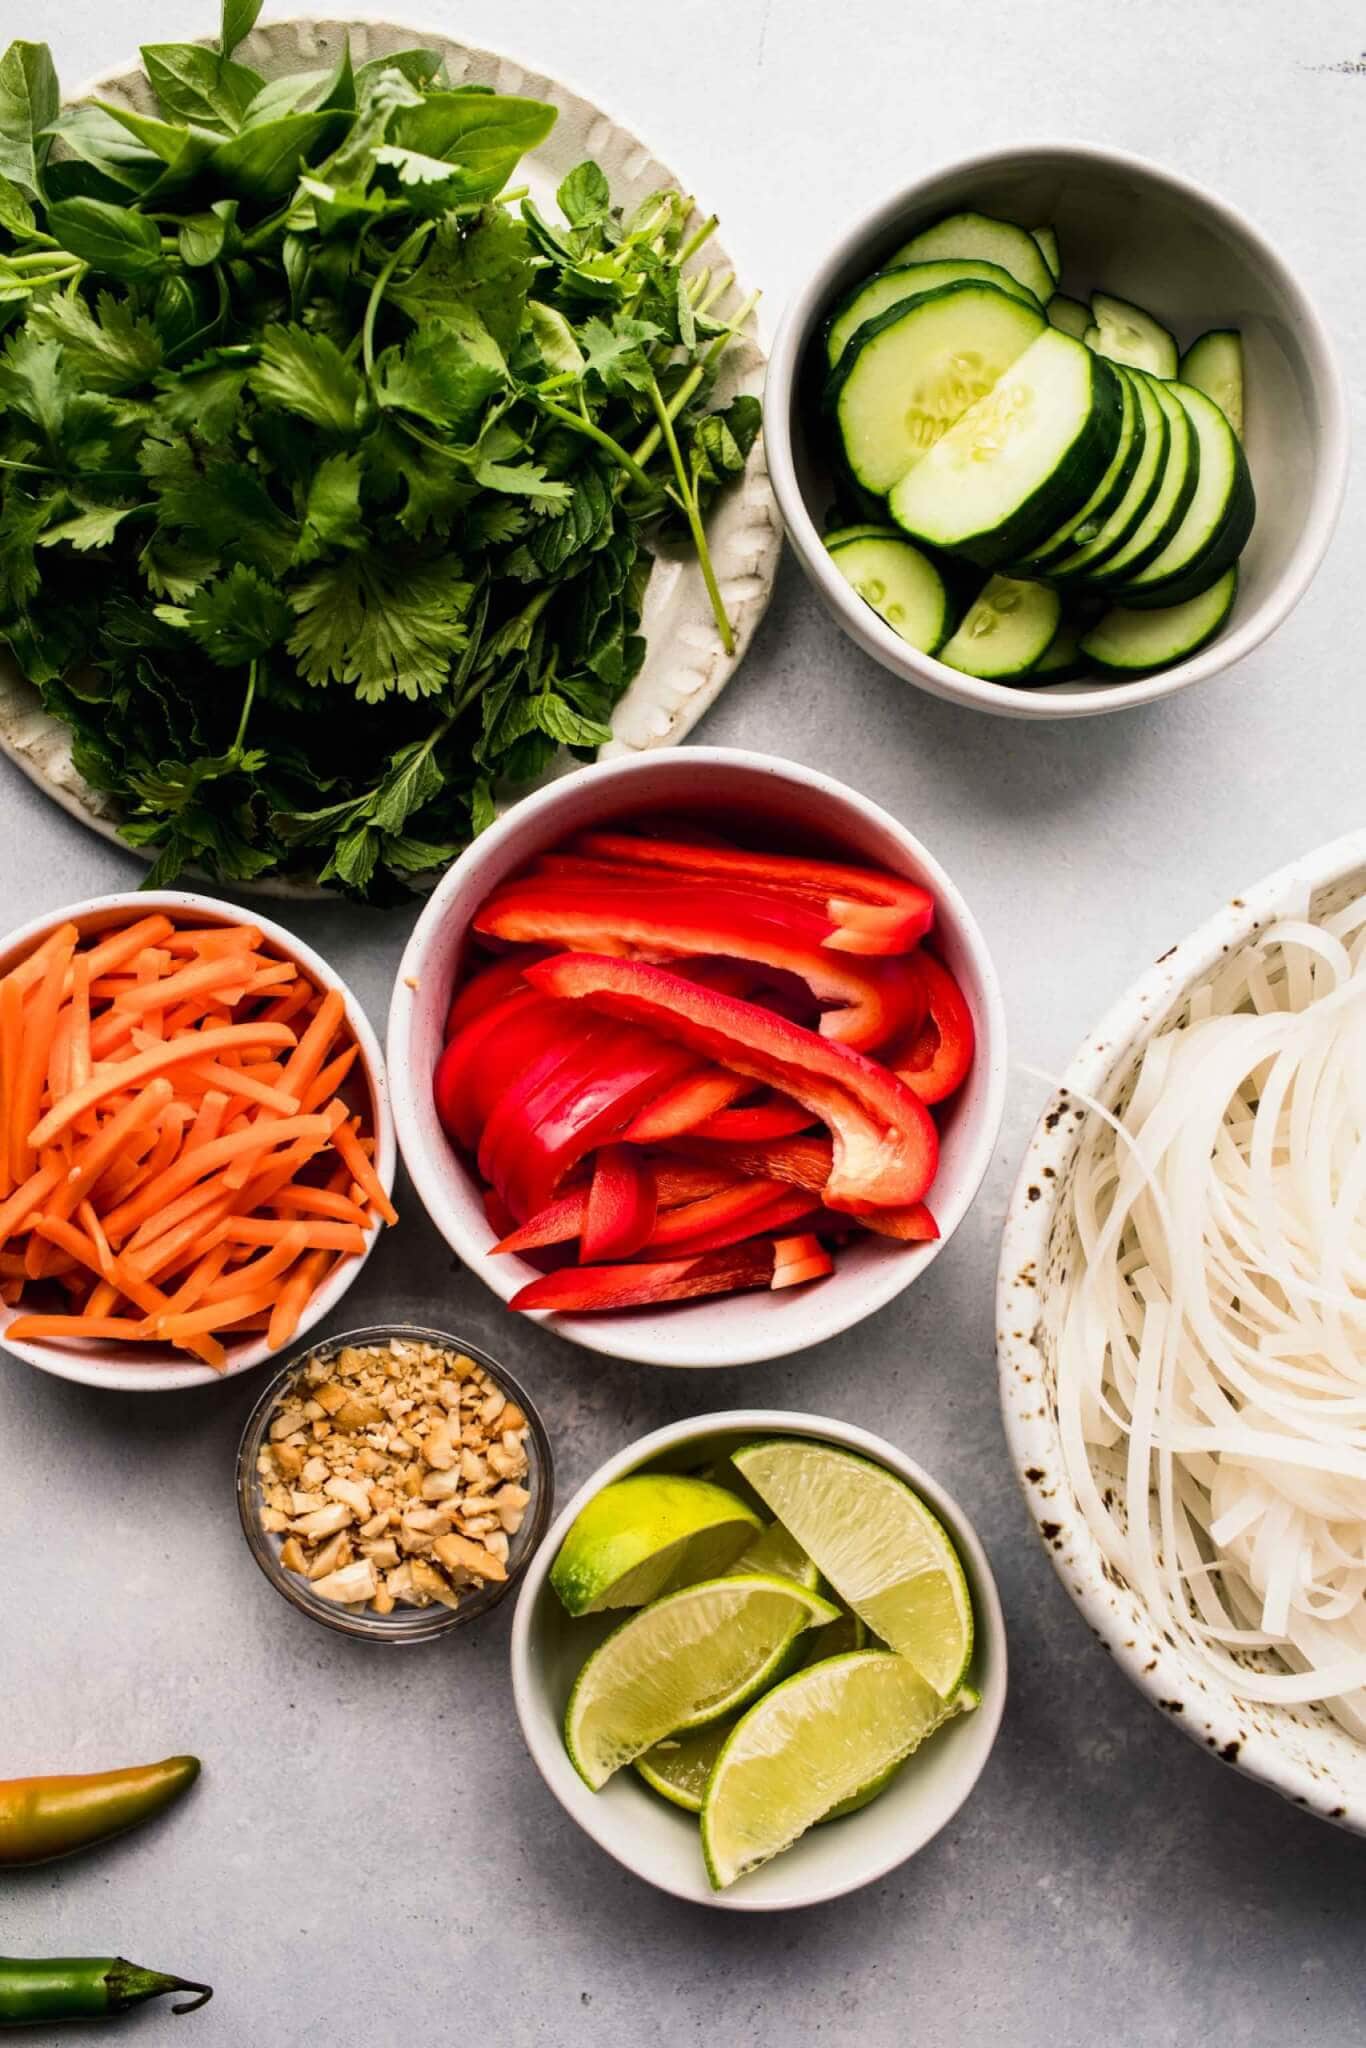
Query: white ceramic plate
x=686, y=667
x=1299, y=1751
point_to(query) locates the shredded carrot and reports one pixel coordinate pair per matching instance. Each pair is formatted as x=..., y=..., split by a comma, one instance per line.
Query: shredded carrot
x=27, y=1197
x=11, y=1027
x=38, y=1328
x=79, y=1067
x=139, y=1112
x=293, y=1298
x=193, y=1046
x=306, y=1201
x=231, y=969
x=103, y=1297
x=236, y=1081
x=331, y=1078
x=311, y=1050
x=291, y=1002
x=31, y=970
x=211, y=939
x=40, y=1019
x=95, y=1229
x=274, y=1261
x=319, y=1237
x=352, y=1150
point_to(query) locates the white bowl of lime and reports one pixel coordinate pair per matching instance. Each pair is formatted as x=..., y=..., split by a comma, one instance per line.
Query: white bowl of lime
x=760, y=1659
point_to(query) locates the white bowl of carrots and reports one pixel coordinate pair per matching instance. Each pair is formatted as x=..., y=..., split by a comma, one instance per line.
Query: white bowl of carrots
x=196, y=1146
x=776, y=924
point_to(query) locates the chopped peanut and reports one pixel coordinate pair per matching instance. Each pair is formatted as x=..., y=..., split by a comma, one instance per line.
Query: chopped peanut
x=392, y=1473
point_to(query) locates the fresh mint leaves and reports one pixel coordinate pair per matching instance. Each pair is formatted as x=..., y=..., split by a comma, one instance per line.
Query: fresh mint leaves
x=327, y=473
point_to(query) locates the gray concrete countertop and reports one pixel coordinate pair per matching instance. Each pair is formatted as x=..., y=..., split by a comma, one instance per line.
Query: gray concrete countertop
x=370, y=1857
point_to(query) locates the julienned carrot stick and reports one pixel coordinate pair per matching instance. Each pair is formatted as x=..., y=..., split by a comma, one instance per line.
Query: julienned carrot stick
x=229, y=970
x=309, y=1054
x=319, y=1237
x=40, y=1019
x=103, y=1296
x=293, y=1297
x=214, y=938
x=237, y=1081
x=110, y=1080
x=79, y=1068
x=274, y=1260
x=306, y=1201
x=349, y=1146
x=27, y=1197
x=181, y=1245
x=331, y=1078
x=264, y=1134
x=38, y=1328
x=201, y=1321
x=31, y=970
x=98, y=1152
x=286, y=1006
x=208, y=1119
x=197, y=1282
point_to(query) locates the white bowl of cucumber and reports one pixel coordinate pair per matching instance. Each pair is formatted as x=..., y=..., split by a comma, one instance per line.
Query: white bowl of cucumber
x=1043, y=507
x=747, y=1494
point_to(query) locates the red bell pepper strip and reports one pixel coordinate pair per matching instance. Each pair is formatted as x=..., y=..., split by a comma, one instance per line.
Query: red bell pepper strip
x=480, y=1061
x=730, y=1206
x=912, y=1225
x=774, y=1117
x=622, y=1205
x=785, y=1207
x=796, y=1259
x=873, y=911
x=563, y=1218
x=935, y=1062
x=574, y=1289
x=459, y=1061
x=534, y=1077
x=885, y=1145
x=873, y=1001
x=498, y=1215
x=685, y=1106
x=800, y=1162
x=488, y=985
x=548, y=1138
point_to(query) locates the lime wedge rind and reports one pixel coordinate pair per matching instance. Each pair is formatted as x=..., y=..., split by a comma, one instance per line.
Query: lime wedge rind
x=647, y=1535
x=690, y=1658
x=879, y=1545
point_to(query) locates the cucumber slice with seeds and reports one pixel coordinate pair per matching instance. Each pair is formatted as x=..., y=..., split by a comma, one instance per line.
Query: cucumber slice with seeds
x=1047, y=239
x=1020, y=460
x=1176, y=488
x=1061, y=660
x=908, y=281
x=901, y=586
x=1108, y=492
x=1217, y=521
x=1069, y=314
x=916, y=369
x=1214, y=365
x=1131, y=643
x=1095, y=540
x=1006, y=632
x=981, y=234
x=1126, y=334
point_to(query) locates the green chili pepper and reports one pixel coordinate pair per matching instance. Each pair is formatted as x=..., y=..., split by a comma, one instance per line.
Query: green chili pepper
x=45, y=1991
x=45, y=1817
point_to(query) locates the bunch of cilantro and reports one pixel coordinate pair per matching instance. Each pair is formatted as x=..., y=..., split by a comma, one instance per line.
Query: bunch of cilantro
x=326, y=469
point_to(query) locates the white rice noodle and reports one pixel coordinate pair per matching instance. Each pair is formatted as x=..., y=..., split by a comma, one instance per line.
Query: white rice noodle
x=1211, y=1365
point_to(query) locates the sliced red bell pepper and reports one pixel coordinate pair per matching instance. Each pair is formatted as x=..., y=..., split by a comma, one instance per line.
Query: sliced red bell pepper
x=913, y=1224
x=461, y=1061
x=775, y=1116
x=796, y=1259
x=872, y=1001
x=543, y=1140
x=499, y=1217
x=575, y=1289
x=885, y=1146
x=872, y=910
x=935, y=1061
x=685, y=1106
x=534, y=1080
x=783, y=1207
x=729, y=1207
x=622, y=1205
x=489, y=984
x=563, y=1218
x=802, y=1162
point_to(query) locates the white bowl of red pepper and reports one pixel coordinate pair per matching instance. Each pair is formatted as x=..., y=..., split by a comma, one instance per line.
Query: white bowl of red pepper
x=699, y=1057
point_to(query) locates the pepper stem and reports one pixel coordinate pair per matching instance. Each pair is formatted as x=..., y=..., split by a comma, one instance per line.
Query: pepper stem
x=128, y=1984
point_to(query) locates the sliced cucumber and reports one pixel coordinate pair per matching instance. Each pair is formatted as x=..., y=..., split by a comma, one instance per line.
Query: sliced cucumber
x=1176, y=488
x=874, y=529
x=1214, y=365
x=1095, y=540
x=908, y=281
x=1061, y=660
x=916, y=369
x=1070, y=315
x=1108, y=492
x=1047, y=239
x=1006, y=632
x=1021, y=459
x=1134, y=643
x=1126, y=334
x=1217, y=521
x=899, y=583
x=980, y=234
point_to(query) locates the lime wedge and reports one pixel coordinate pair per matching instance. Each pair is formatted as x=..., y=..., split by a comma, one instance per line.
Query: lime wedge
x=683, y=1661
x=773, y=1550
x=833, y=1732
x=678, y=1768
x=645, y=1536
x=845, y=1633
x=964, y=1700
x=879, y=1546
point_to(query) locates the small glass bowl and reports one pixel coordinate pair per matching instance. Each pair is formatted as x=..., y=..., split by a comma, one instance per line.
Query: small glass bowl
x=405, y=1624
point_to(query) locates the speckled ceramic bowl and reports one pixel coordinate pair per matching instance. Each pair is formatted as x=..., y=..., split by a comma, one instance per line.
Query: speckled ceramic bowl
x=1299, y=1751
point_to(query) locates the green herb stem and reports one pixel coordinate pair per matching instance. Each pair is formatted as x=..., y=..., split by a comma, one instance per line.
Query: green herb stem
x=593, y=432
x=703, y=235
x=687, y=498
